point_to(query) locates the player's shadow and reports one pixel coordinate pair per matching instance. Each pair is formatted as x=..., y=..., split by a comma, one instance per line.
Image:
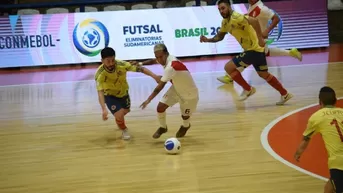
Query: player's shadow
x=186, y=141
x=229, y=88
x=111, y=142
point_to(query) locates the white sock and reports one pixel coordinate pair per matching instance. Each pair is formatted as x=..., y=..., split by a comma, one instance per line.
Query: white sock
x=278, y=52
x=162, y=119
x=186, y=123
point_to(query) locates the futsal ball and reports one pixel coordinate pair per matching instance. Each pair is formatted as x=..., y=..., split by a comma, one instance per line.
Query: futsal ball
x=172, y=146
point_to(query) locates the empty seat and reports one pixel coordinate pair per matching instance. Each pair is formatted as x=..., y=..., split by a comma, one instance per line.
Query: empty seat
x=114, y=8
x=27, y=11
x=192, y=3
x=141, y=6
x=161, y=4
x=87, y=9
x=57, y=10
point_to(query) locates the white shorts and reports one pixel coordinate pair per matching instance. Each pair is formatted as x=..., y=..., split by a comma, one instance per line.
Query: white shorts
x=187, y=106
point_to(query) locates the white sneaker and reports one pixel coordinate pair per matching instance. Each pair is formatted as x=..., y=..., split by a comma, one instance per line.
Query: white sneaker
x=125, y=135
x=246, y=94
x=284, y=99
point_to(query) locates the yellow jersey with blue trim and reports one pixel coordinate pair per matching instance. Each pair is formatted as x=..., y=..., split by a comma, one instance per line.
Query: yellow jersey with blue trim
x=115, y=83
x=239, y=27
x=328, y=122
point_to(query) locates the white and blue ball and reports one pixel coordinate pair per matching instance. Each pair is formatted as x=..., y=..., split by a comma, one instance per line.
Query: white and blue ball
x=172, y=146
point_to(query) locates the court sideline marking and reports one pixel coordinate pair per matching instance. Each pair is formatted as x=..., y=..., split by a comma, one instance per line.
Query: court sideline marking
x=269, y=149
x=193, y=73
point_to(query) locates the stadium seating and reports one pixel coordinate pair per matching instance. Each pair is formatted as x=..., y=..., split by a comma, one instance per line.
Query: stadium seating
x=22, y=7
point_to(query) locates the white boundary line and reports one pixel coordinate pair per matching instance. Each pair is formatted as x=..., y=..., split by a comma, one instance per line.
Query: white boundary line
x=269, y=149
x=194, y=73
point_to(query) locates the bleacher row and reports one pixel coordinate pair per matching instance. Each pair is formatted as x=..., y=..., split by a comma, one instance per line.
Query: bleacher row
x=130, y=5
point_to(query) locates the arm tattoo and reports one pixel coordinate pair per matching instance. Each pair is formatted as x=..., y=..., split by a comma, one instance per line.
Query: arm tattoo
x=218, y=37
x=308, y=137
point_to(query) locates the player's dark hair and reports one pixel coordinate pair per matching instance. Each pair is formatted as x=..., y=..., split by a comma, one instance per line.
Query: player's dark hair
x=327, y=96
x=107, y=52
x=224, y=1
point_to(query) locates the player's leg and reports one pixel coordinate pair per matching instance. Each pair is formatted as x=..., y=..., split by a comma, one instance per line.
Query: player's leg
x=169, y=99
x=115, y=105
x=283, y=52
x=240, y=61
x=336, y=178
x=226, y=79
x=187, y=108
x=261, y=68
x=328, y=188
x=125, y=103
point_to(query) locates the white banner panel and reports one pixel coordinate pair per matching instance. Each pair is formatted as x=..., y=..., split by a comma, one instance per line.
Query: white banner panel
x=35, y=40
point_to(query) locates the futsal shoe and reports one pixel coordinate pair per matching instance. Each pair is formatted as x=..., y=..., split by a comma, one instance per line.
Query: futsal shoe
x=296, y=54
x=284, y=99
x=182, y=131
x=225, y=79
x=246, y=94
x=159, y=132
x=125, y=135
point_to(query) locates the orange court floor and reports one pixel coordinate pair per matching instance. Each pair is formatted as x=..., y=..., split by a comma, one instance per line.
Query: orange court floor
x=52, y=138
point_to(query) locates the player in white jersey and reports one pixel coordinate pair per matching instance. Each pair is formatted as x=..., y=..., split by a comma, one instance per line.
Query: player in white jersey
x=264, y=14
x=183, y=91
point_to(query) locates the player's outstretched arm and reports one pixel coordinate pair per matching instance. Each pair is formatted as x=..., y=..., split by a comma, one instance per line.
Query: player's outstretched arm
x=218, y=37
x=308, y=133
x=275, y=20
x=102, y=103
x=151, y=74
x=302, y=147
x=144, y=63
x=156, y=91
x=148, y=62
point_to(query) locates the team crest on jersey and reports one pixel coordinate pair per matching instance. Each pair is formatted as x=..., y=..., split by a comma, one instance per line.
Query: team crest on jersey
x=120, y=73
x=113, y=107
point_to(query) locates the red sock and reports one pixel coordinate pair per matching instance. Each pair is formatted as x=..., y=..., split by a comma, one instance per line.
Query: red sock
x=121, y=124
x=274, y=82
x=237, y=77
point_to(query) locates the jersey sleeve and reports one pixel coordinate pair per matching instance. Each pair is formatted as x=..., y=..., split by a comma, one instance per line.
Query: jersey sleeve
x=99, y=79
x=245, y=20
x=311, y=128
x=169, y=73
x=267, y=13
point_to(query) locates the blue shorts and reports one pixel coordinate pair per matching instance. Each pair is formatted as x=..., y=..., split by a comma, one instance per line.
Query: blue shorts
x=114, y=104
x=257, y=59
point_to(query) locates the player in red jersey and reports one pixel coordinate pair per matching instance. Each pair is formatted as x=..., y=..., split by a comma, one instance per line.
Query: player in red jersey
x=264, y=14
x=183, y=91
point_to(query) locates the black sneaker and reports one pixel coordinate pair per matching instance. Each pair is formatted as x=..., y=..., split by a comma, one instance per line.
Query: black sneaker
x=182, y=131
x=159, y=132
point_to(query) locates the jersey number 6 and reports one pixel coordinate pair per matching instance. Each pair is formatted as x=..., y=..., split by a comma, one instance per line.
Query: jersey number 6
x=187, y=111
x=339, y=130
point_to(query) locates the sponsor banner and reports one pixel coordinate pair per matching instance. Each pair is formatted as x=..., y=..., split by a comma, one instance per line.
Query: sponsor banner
x=36, y=40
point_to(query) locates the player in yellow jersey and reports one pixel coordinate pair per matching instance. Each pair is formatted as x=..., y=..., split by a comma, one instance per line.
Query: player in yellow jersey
x=113, y=89
x=328, y=121
x=247, y=32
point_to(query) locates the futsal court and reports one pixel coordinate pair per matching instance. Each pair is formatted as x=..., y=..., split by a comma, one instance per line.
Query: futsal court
x=53, y=140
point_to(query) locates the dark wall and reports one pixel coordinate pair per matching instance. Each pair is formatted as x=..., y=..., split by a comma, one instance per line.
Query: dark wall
x=335, y=26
